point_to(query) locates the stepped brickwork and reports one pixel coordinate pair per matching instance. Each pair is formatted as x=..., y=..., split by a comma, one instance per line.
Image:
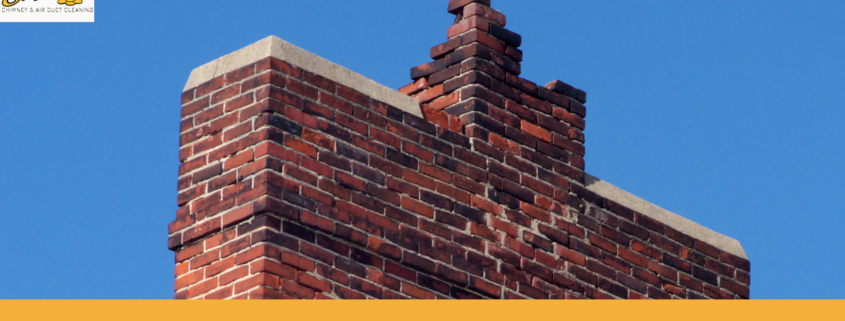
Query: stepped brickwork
x=301, y=179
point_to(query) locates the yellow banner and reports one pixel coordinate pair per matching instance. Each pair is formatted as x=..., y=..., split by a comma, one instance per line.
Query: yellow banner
x=423, y=310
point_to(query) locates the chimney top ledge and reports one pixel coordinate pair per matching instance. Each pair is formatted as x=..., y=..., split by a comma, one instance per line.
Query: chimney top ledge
x=273, y=46
x=680, y=223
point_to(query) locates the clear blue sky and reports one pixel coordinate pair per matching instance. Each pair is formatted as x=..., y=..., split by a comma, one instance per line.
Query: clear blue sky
x=728, y=113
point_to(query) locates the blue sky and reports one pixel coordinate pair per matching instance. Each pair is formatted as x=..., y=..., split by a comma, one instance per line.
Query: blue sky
x=728, y=113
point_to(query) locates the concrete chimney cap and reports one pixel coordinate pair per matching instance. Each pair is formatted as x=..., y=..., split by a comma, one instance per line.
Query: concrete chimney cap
x=273, y=46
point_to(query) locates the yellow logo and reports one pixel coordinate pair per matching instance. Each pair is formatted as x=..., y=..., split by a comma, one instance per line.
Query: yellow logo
x=66, y=2
x=7, y=3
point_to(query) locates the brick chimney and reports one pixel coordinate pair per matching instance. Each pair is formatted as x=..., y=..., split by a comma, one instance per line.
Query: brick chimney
x=303, y=179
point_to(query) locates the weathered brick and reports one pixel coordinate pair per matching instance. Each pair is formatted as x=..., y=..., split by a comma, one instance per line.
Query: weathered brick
x=340, y=195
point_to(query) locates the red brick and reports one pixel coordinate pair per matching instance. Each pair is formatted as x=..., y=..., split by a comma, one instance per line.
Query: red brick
x=189, y=252
x=237, y=215
x=239, y=74
x=298, y=116
x=348, y=294
x=720, y=268
x=188, y=280
x=570, y=255
x=646, y=249
x=298, y=261
x=485, y=39
x=386, y=138
x=233, y=275
x=743, y=277
x=468, y=184
x=220, y=294
x=676, y=290
x=384, y=248
x=314, y=282
x=452, y=192
x=368, y=145
x=487, y=288
x=402, y=187
x=335, y=189
x=260, y=251
x=735, y=287
x=690, y=282
x=260, y=279
x=353, y=96
x=467, y=24
x=633, y=257
x=352, y=210
x=603, y=243
x=300, y=146
x=195, y=107
x=438, y=118
x=225, y=94
x=418, y=151
x=182, y=268
x=239, y=102
x=647, y=276
x=319, y=140
x=475, y=9
x=302, y=89
x=272, y=267
x=716, y=293
x=300, y=174
x=445, y=101
x=208, y=114
x=508, y=228
x=316, y=253
x=524, y=249
x=337, y=103
x=202, y=288
x=504, y=144
x=347, y=180
x=239, y=159
x=663, y=270
x=527, y=149
x=417, y=85
x=224, y=151
x=317, y=167
x=536, y=212
x=736, y=261
x=333, y=274
x=430, y=94
x=278, y=65
x=416, y=178
x=417, y=207
x=349, y=122
x=205, y=259
x=707, y=249
x=320, y=81
x=192, y=135
x=436, y=172
x=536, y=131
x=317, y=195
x=207, y=144
x=265, y=294
x=485, y=232
x=201, y=230
x=486, y=205
x=416, y=291
x=380, y=278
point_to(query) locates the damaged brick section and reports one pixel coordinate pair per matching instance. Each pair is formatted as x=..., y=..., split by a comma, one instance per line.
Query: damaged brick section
x=295, y=186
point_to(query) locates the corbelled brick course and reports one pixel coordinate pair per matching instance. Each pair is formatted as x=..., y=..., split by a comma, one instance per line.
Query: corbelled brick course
x=293, y=185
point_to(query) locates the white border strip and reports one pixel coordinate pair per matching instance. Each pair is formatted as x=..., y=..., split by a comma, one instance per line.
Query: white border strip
x=672, y=220
x=273, y=46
